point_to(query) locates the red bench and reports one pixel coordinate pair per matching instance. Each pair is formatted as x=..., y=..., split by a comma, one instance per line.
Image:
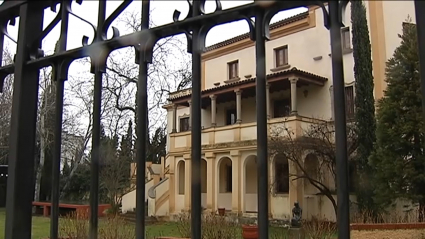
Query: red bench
x=78, y=208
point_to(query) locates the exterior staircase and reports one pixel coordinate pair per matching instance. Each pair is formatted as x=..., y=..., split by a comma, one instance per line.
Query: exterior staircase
x=131, y=217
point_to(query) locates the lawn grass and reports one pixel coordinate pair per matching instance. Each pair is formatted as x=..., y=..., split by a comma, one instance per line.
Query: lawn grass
x=41, y=227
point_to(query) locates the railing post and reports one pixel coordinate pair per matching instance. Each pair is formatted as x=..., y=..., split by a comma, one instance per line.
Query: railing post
x=262, y=144
x=142, y=126
x=20, y=182
x=343, y=219
x=97, y=109
x=195, y=117
x=60, y=76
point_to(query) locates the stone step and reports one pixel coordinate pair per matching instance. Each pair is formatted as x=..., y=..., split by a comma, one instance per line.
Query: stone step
x=131, y=217
x=148, y=220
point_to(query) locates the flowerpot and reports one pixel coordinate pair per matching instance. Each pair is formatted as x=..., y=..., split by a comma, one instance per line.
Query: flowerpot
x=221, y=211
x=249, y=231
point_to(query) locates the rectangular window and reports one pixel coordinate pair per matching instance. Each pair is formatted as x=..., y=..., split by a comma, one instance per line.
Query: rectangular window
x=281, y=108
x=282, y=177
x=184, y=124
x=230, y=116
x=233, y=69
x=345, y=38
x=229, y=178
x=349, y=102
x=281, y=56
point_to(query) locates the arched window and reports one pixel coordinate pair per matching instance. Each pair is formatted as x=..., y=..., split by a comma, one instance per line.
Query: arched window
x=180, y=176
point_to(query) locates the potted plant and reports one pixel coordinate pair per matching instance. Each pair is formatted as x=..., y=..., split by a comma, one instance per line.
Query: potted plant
x=221, y=211
x=250, y=231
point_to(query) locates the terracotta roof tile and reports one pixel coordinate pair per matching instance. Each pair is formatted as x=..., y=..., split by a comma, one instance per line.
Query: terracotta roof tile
x=293, y=70
x=275, y=25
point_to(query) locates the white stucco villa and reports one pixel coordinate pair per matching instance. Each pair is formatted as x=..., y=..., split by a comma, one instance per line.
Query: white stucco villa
x=300, y=90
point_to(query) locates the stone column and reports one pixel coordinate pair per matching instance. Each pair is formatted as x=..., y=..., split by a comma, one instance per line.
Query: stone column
x=236, y=182
x=213, y=110
x=187, y=181
x=174, y=130
x=238, y=106
x=190, y=114
x=211, y=179
x=172, y=194
x=293, y=96
x=268, y=100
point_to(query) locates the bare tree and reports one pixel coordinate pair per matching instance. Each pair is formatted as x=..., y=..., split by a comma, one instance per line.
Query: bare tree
x=6, y=88
x=318, y=140
x=169, y=72
x=45, y=109
x=113, y=178
x=80, y=90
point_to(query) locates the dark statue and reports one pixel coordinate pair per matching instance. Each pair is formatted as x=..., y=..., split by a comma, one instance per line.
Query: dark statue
x=296, y=215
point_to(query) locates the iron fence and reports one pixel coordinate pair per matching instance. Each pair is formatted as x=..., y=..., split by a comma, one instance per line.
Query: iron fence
x=30, y=59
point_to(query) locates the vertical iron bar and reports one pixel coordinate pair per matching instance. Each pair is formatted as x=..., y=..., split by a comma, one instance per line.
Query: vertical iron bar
x=54, y=225
x=142, y=129
x=97, y=107
x=420, y=26
x=195, y=116
x=343, y=219
x=20, y=183
x=94, y=186
x=262, y=150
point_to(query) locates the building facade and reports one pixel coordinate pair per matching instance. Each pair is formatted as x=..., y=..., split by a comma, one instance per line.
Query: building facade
x=299, y=93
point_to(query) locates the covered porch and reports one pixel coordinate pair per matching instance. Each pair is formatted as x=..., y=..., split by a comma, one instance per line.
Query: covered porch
x=234, y=103
x=229, y=181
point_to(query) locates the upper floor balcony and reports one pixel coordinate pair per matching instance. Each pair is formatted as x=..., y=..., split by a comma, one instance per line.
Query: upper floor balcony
x=294, y=98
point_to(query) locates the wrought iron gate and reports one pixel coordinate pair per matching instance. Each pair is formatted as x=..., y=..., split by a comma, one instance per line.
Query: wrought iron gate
x=30, y=59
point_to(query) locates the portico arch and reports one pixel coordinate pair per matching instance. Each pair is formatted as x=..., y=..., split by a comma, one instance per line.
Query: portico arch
x=225, y=180
x=250, y=184
x=180, y=177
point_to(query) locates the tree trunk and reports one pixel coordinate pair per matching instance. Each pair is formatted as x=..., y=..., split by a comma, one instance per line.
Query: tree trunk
x=75, y=165
x=421, y=210
x=41, y=163
x=42, y=157
x=331, y=198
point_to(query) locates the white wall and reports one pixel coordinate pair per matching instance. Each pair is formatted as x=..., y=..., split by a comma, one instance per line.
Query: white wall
x=302, y=48
x=280, y=207
x=395, y=13
x=129, y=200
x=160, y=190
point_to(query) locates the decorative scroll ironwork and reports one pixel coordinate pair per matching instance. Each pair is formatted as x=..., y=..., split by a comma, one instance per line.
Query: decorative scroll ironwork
x=341, y=13
x=3, y=29
x=196, y=25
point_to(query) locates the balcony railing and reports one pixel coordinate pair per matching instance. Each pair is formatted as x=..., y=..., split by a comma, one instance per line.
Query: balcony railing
x=240, y=132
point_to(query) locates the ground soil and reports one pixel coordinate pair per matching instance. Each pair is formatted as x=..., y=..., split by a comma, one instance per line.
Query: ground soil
x=388, y=234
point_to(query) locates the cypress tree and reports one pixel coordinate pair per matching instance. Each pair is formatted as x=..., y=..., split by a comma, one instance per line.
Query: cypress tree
x=399, y=158
x=126, y=151
x=364, y=105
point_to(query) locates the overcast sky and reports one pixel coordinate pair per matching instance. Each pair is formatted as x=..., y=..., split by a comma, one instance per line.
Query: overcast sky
x=162, y=12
